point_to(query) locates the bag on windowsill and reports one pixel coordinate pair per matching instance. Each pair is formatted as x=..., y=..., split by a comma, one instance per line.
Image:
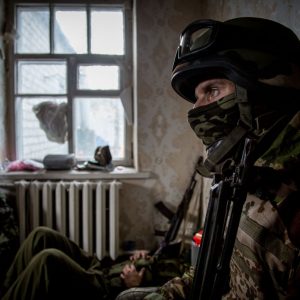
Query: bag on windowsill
x=59, y=161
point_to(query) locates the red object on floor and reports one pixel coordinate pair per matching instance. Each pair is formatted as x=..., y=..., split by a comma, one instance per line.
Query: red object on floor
x=197, y=238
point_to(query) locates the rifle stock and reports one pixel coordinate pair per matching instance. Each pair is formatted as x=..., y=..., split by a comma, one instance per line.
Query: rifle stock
x=227, y=197
x=180, y=212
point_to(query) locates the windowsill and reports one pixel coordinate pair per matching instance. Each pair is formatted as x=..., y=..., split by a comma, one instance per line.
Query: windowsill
x=117, y=173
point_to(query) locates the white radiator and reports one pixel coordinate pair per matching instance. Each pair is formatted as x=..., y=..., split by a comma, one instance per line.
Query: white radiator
x=87, y=212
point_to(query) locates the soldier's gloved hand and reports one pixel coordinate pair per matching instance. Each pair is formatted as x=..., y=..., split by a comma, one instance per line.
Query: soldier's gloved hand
x=137, y=254
x=132, y=277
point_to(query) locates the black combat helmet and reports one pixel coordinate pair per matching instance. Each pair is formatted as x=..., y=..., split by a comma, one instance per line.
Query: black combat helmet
x=242, y=50
x=261, y=57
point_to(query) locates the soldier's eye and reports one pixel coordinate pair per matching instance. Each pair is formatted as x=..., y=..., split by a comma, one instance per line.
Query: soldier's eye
x=213, y=92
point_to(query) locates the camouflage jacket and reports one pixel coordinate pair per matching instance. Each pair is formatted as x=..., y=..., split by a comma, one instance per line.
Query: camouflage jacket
x=265, y=263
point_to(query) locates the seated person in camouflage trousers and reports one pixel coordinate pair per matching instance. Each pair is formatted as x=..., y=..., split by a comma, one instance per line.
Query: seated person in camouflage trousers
x=50, y=266
x=242, y=78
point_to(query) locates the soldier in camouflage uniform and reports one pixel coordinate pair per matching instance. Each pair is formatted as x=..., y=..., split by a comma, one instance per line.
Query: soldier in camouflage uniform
x=50, y=266
x=262, y=58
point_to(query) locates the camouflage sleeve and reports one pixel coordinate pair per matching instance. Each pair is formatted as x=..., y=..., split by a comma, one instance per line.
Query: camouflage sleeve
x=175, y=289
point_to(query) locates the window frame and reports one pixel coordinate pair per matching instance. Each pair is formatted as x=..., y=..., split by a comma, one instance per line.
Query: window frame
x=125, y=62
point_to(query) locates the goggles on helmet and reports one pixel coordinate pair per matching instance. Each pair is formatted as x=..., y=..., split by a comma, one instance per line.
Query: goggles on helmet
x=210, y=36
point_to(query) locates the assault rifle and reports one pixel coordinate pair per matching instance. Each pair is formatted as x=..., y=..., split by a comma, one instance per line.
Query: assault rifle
x=176, y=219
x=227, y=197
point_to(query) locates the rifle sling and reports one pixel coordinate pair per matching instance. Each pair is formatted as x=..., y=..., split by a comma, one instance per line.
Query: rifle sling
x=226, y=146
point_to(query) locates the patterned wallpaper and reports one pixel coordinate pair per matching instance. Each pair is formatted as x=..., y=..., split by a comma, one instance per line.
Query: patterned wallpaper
x=167, y=147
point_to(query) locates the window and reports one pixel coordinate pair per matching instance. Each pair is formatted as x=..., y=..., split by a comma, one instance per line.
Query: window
x=72, y=79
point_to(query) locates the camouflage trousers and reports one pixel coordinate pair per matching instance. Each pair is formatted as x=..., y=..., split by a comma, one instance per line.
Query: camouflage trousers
x=49, y=266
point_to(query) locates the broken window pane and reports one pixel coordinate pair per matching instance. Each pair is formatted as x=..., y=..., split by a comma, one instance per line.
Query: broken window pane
x=70, y=30
x=33, y=135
